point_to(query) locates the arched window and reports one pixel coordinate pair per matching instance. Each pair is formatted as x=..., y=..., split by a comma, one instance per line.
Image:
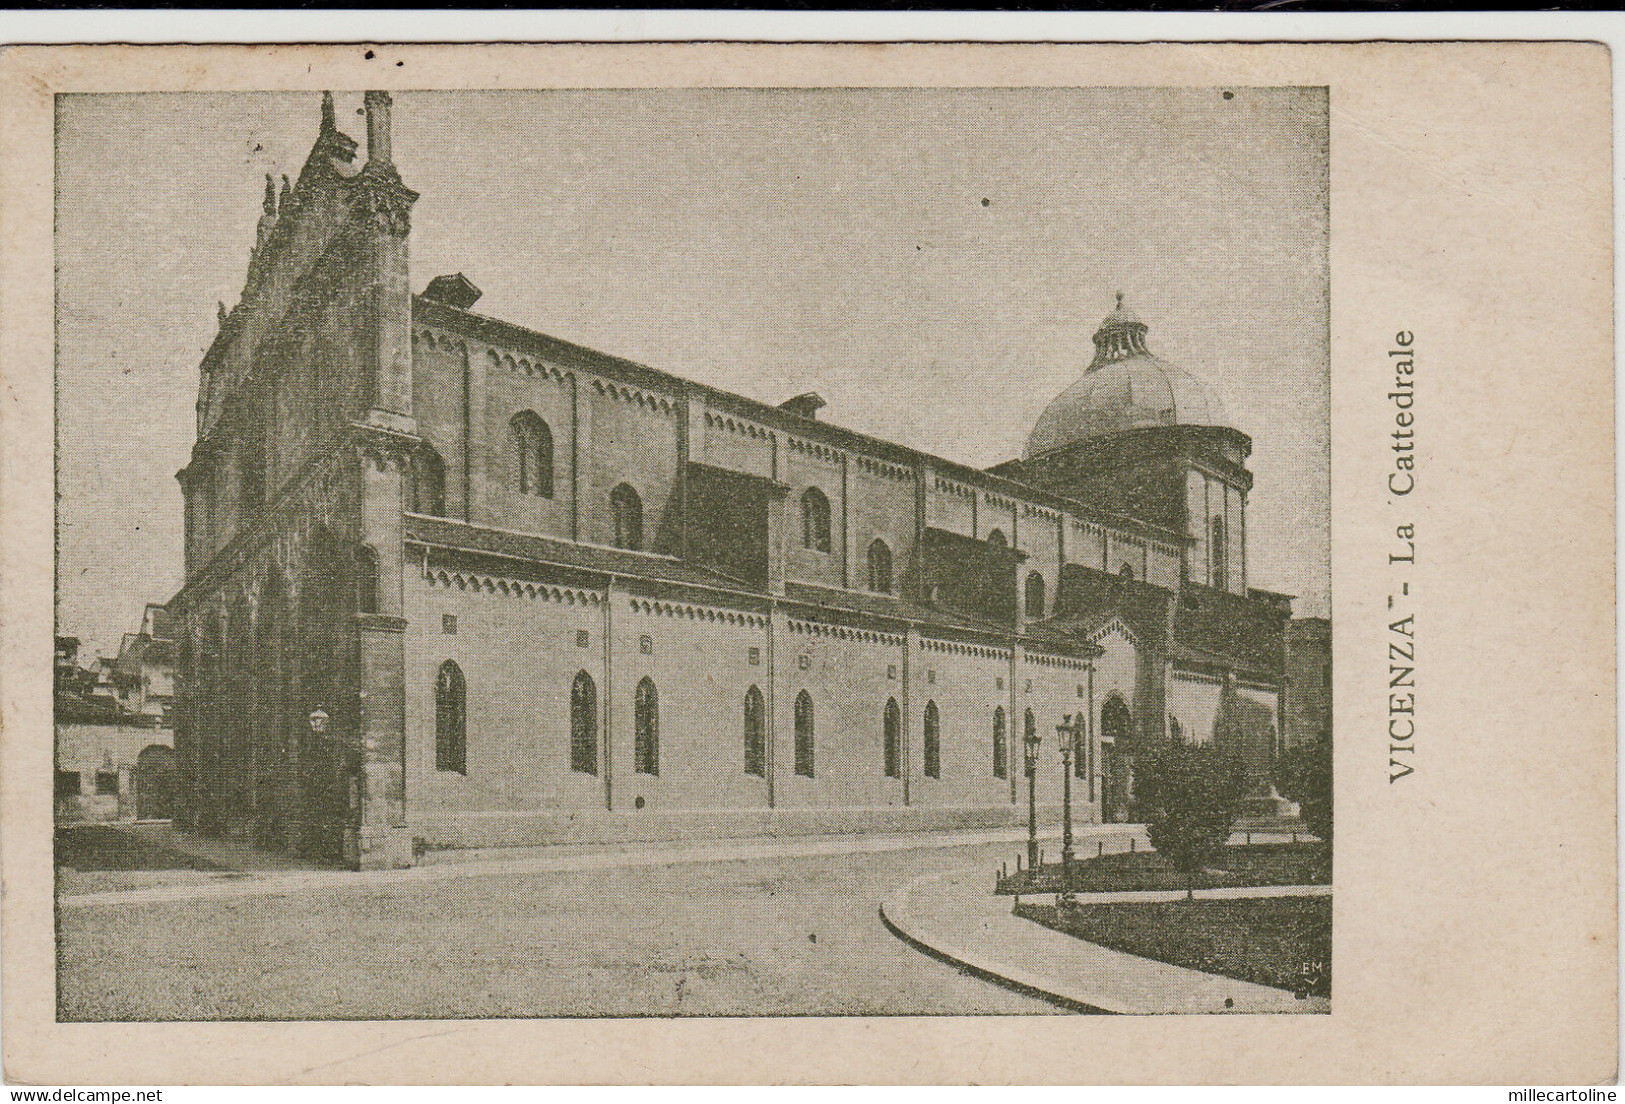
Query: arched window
x=933, y=741
x=450, y=719
x=880, y=567
x=1029, y=729
x=755, y=733
x=646, y=728
x=584, y=724
x=996, y=539
x=1219, y=553
x=892, y=740
x=1126, y=573
x=1001, y=760
x=804, y=734
x=428, y=483
x=814, y=520
x=533, y=454
x=1035, y=595
x=366, y=579
x=627, y=507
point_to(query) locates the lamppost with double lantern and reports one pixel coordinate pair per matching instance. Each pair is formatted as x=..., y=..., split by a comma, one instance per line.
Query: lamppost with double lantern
x=1030, y=741
x=1067, y=733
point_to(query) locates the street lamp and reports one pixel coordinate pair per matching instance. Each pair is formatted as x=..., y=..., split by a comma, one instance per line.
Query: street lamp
x=1030, y=742
x=318, y=721
x=1066, y=734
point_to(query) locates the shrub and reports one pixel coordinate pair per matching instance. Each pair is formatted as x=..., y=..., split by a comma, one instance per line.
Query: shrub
x=1304, y=774
x=1192, y=794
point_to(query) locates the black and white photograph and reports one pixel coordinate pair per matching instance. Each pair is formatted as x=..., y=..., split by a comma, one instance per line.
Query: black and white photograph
x=693, y=552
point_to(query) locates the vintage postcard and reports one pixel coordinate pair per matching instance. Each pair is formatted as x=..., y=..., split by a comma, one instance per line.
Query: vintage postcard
x=567, y=560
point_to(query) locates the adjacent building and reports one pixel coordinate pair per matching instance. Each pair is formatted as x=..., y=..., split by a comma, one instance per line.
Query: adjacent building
x=450, y=581
x=144, y=671
x=113, y=749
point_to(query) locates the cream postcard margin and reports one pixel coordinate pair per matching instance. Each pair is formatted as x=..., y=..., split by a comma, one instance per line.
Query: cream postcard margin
x=1475, y=916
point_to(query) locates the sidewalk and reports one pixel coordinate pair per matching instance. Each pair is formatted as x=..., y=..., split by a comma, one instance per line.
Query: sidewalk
x=258, y=874
x=955, y=917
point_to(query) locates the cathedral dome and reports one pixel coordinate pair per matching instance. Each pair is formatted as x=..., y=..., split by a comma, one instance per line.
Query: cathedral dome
x=1124, y=387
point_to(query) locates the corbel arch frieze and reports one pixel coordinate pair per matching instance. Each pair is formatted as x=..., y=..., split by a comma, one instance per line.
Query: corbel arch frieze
x=634, y=396
x=536, y=367
x=435, y=339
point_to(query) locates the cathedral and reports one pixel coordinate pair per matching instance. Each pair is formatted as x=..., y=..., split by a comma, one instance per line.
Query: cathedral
x=454, y=583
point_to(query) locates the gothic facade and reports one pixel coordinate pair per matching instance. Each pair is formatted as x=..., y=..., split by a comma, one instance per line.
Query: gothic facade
x=451, y=582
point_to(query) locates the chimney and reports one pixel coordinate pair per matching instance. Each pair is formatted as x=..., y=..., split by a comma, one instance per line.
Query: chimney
x=803, y=406
x=377, y=105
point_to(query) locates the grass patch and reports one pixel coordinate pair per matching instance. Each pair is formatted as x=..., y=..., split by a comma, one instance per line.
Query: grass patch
x=1284, y=942
x=1258, y=864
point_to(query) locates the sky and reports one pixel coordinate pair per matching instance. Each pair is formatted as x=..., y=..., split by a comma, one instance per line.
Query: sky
x=932, y=262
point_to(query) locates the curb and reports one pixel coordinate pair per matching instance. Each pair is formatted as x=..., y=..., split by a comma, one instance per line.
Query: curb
x=965, y=965
x=900, y=922
x=898, y=918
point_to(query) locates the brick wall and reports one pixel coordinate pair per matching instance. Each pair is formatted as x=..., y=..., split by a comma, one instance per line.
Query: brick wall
x=824, y=469
x=729, y=441
x=519, y=654
x=519, y=657
x=634, y=441
x=963, y=680
x=883, y=499
x=508, y=390
x=1038, y=535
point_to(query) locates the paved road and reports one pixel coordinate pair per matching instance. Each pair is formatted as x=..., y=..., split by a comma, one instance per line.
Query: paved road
x=762, y=936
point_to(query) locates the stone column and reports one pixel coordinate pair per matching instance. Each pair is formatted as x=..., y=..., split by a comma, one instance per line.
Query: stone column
x=381, y=726
x=381, y=668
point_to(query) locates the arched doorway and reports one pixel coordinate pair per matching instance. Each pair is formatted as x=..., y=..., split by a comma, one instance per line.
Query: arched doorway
x=155, y=783
x=1116, y=723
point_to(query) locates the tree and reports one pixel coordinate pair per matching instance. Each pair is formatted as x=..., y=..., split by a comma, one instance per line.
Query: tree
x=1304, y=774
x=1192, y=794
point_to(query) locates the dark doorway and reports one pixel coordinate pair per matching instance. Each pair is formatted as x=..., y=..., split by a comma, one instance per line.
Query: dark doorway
x=1115, y=726
x=328, y=763
x=155, y=783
